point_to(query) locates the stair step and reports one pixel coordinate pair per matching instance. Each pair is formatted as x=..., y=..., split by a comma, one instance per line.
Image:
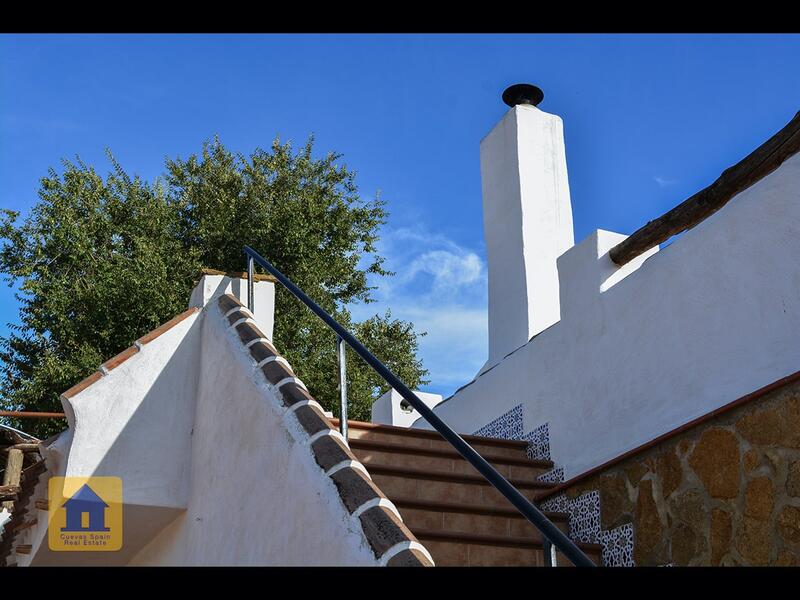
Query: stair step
x=443, y=460
x=477, y=509
x=450, y=507
x=423, y=438
x=468, y=478
x=464, y=549
x=428, y=433
x=446, y=487
x=476, y=538
x=450, y=452
x=471, y=518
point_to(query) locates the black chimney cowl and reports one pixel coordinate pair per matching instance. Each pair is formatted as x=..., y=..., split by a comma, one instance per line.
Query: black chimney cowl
x=523, y=93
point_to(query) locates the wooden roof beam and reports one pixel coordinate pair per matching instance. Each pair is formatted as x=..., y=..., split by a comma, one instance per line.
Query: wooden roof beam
x=758, y=164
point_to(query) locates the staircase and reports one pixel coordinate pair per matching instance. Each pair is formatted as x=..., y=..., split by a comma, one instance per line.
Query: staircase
x=459, y=517
x=446, y=503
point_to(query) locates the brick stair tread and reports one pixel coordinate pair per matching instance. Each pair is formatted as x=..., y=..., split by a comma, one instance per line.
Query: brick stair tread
x=447, y=476
x=426, y=433
x=491, y=540
x=477, y=509
x=446, y=453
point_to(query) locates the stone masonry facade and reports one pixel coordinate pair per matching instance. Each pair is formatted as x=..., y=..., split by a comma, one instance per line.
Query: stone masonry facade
x=725, y=491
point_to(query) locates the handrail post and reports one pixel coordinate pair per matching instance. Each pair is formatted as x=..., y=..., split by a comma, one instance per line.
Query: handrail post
x=251, y=304
x=549, y=553
x=340, y=349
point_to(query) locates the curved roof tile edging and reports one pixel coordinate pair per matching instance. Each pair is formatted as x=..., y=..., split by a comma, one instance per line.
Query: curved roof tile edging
x=389, y=539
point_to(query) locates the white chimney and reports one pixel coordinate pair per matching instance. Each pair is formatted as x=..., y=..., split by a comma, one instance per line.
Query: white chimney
x=527, y=220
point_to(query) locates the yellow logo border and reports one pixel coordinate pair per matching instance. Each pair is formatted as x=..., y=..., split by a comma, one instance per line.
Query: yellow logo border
x=70, y=528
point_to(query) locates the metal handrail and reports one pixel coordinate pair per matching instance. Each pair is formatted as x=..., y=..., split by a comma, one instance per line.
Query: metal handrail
x=551, y=535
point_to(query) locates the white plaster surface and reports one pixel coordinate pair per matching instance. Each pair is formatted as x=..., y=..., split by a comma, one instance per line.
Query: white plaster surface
x=213, y=286
x=707, y=319
x=527, y=221
x=257, y=496
x=134, y=423
x=388, y=409
x=214, y=470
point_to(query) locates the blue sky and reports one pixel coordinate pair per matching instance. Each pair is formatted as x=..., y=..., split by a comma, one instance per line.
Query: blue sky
x=649, y=120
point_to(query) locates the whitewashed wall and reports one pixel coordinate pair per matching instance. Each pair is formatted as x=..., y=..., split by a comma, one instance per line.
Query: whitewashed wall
x=214, y=286
x=134, y=423
x=256, y=495
x=213, y=472
x=388, y=409
x=527, y=223
x=709, y=318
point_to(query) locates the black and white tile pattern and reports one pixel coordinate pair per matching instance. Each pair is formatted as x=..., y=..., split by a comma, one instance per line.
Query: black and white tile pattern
x=617, y=546
x=507, y=426
x=584, y=517
x=538, y=442
x=584, y=526
x=556, y=504
x=584, y=511
x=554, y=476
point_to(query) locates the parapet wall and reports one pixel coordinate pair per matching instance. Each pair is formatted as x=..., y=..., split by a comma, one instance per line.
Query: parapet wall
x=271, y=482
x=647, y=348
x=225, y=458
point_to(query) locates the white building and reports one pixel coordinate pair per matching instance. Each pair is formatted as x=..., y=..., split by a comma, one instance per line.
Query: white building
x=658, y=366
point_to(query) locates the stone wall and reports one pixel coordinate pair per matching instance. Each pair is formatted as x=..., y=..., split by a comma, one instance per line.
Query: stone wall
x=723, y=492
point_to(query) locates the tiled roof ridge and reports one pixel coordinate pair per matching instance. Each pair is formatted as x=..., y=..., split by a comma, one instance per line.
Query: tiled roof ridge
x=114, y=362
x=389, y=539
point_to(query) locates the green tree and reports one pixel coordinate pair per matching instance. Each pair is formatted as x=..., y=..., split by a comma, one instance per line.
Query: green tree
x=101, y=261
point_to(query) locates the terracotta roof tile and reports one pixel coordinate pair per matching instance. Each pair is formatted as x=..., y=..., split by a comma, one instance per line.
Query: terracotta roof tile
x=120, y=358
x=161, y=329
x=274, y=371
x=383, y=529
x=82, y=385
x=248, y=332
x=113, y=363
x=261, y=350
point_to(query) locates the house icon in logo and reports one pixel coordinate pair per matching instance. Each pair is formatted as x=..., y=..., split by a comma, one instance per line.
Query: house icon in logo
x=85, y=502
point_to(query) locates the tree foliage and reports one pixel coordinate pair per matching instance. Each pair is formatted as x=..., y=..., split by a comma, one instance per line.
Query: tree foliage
x=101, y=261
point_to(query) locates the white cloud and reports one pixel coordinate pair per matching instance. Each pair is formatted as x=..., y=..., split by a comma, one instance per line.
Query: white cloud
x=449, y=271
x=663, y=181
x=441, y=287
x=455, y=347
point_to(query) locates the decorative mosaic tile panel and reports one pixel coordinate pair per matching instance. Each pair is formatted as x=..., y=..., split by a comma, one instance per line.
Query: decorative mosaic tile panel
x=556, y=504
x=538, y=442
x=583, y=511
x=617, y=546
x=507, y=426
x=554, y=476
x=584, y=526
x=584, y=517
